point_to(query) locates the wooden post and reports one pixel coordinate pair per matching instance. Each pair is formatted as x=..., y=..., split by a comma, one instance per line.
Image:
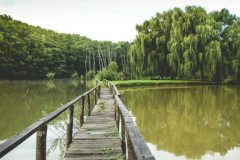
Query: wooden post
x=130, y=150
x=118, y=118
x=95, y=96
x=89, y=105
x=99, y=88
x=123, y=144
x=82, y=112
x=69, y=126
x=41, y=143
x=115, y=111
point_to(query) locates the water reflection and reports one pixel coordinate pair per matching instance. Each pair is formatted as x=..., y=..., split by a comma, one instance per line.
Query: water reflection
x=50, y=85
x=189, y=121
x=24, y=102
x=31, y=99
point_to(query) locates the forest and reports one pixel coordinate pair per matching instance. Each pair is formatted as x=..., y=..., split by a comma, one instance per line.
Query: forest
x=188, y=43
x=29, y=52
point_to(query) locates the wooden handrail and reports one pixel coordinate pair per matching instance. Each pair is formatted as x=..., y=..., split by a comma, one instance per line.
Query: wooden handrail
x=112, y=87
x=132, y=142
x=41, y=126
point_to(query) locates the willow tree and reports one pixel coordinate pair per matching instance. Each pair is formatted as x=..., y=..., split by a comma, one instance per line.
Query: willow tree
x=234, y=33
x=175, y=56
x=187, y=44
x=214, y=60
x=136, y=59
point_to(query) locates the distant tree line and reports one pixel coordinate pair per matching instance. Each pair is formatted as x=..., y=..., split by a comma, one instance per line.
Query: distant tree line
x=175, y=44
x=32, y=52
x=188, y=44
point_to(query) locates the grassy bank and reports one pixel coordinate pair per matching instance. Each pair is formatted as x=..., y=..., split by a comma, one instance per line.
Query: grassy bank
x=132, y=83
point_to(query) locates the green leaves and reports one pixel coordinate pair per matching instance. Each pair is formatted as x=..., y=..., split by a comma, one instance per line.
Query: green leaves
x=187, y=43
x=214, y=57
x=32, y=52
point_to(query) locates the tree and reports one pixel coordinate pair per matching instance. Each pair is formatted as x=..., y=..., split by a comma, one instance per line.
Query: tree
x=188, y=43
x=32, y=52
x=113, y=66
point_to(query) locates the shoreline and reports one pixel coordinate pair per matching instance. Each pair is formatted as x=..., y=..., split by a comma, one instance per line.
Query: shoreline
x=135, y=83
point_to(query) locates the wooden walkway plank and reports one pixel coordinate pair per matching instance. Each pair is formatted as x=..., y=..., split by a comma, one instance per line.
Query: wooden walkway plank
x=98, y=137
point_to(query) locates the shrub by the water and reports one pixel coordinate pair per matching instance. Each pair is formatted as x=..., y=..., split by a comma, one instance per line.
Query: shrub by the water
x=120, y=76
x=50, y=75
x=90, y=75
x=74, y=75
x=106, y=74
x=113, y=66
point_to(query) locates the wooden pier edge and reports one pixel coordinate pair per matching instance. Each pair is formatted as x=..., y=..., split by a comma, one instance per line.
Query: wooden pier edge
x=133, y=142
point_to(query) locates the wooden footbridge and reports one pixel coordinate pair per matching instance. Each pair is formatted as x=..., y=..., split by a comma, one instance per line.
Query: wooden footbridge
x=107, y=132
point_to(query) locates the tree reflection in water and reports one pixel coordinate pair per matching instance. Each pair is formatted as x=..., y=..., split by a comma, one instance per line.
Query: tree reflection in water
x=24, y=102
x=187, y=120
x=58, y=128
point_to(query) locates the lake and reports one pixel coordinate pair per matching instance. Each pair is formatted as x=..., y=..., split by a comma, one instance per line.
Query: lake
x=181, y=122
x=24, y=102
x=178, y=122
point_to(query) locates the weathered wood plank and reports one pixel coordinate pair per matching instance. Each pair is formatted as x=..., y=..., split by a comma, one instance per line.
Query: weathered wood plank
x=136, y=146
x=98, y=137
x=94, y=157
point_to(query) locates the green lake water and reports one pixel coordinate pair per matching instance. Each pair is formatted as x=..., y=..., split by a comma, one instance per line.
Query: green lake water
x=178, y=122
x=24, y=102
x=187, y=122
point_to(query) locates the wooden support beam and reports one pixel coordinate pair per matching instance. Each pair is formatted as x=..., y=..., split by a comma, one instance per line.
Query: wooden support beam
x=41, y=143
x=89, y=105
x=118, y=118
x=95, y=96
x=130, y=150
x=123, y=128
x=82, y=112
x=70, y=126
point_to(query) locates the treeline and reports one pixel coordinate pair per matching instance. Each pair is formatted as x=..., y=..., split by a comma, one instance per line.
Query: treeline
x=32, y=52
x=176, y=44
x=188, y=44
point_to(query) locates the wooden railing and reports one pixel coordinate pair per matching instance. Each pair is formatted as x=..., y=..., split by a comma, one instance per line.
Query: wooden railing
x=41, y=126
x=133, y=144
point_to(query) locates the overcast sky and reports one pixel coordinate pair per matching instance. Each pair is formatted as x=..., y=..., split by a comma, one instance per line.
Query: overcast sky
x=100, y=19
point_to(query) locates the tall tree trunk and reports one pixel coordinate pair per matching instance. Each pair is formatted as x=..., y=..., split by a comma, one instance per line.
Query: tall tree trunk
x=99, y=59
x=85, y=65
x=89, y=60
x=94, y=67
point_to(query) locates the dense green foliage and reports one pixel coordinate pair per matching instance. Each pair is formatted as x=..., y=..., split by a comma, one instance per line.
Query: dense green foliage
x=190, y=43
x=50, y=75
x=176, y=44
x=110, y=73
x=32, y=52
x=90, y=75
